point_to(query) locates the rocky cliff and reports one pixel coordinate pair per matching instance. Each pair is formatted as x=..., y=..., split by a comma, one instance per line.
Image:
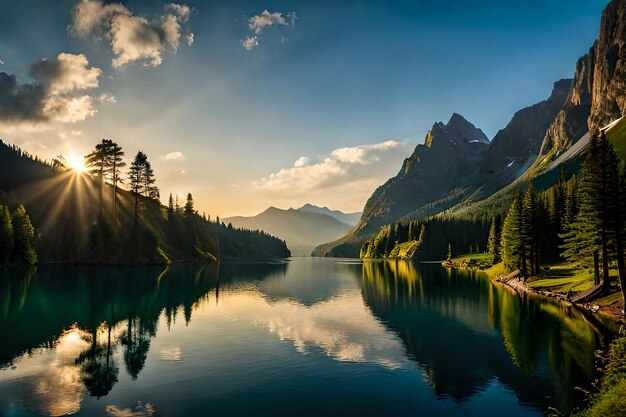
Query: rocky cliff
x=598, y=93
x=522, y=137
x=450, y=156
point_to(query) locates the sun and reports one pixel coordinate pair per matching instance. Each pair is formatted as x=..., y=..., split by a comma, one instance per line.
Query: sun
x=77, y=164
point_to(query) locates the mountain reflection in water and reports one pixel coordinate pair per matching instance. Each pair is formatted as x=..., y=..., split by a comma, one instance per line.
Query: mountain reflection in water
x=307, y=336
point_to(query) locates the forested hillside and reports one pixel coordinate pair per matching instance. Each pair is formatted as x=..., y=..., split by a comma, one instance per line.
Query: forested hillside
x=84, y=216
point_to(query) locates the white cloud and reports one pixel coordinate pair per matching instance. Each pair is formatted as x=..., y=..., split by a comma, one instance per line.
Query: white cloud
x=250, y=42
x=182, y=10
x=56, y=94
x=340, y=166
x=258, y=23
x=107, y=98
x=300, y=162
x=133, y=38
x=66, y=73
x=189, y=39
x=69, y=109
x=174, y=156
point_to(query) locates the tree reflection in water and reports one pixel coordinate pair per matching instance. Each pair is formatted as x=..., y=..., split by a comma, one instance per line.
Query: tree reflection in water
x=544, y=347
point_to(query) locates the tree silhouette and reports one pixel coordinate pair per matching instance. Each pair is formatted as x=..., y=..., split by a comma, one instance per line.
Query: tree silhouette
x=6, y=234
x=116, y=164
x=98, y=161
x=135, y=175
x=24, y=237
x=188, y=210
x=98, y=369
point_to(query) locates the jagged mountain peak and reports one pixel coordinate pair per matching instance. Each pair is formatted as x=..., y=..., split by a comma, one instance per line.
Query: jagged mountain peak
x=457, y=130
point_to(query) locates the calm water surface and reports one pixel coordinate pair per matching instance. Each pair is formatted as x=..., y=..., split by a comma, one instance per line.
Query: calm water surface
x=307, y=337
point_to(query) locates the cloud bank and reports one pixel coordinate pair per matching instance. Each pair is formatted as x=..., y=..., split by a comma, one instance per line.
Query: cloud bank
x=258, y=23
x=340, y=166
x=357, y=170
x=133, y=39
x=56, y=94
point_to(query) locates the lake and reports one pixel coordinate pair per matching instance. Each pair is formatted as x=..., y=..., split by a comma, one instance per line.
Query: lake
x=309, y=336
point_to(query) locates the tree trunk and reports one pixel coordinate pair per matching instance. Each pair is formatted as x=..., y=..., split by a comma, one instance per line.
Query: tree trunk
x=621, y=268
x=114, y=200
x=136, y=207
x=596, y=267
x=606, y=282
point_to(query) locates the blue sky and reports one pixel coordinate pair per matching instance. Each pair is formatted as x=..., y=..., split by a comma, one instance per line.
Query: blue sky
x=347, y=89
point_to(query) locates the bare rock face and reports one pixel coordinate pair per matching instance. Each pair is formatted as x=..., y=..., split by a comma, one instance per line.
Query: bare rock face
x=598, y=94
x=451, y=154
x=522, y=137
x=608, y=93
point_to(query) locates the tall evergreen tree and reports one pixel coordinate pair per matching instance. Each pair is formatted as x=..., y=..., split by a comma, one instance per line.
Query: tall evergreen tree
x=529, y=233
x=150, y=190
x=24, y=238
x=512, y=245
x=116, y=164
x=493, y=243
x=135, y=175
x=170, y=207
x=6, y=234
x=189, y=210
x=98, y=161
x=590, y=233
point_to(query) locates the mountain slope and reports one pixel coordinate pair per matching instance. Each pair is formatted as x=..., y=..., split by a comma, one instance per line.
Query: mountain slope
x=497, y=164
x=522, y=137
x=449, y=158
x=349, y=218
x=301, y=229
x=598, y=94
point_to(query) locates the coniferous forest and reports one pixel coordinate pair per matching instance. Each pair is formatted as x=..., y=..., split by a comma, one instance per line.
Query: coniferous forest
x=579, y=219
x=86, y=214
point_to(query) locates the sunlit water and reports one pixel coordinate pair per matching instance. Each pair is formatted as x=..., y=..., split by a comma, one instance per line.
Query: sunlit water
x=308, y=337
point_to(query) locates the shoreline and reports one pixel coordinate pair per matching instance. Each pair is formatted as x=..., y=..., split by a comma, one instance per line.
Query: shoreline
x=589, y=309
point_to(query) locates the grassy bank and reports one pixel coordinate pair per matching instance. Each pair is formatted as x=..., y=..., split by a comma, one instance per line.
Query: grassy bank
x=610, y=400
x=561, y=279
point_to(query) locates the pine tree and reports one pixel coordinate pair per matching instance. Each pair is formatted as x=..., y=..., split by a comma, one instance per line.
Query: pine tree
x=588, y=235
x=116, y=164
x=512, y=245
x=98, y=161
x=24, y=237
x=493, y=243
x=170, y=207
x=150, y=190
x=6, y=234
x=449, y=252
x=135, y=175
x=529, y=233
x=188, y=210
x=621, y=230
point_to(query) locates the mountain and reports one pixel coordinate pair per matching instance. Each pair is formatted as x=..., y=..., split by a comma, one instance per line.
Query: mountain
x=449, y=158
x=522, y=137
x=349, y=218
x=539, y=144
x=303, y=230
x=598, y=93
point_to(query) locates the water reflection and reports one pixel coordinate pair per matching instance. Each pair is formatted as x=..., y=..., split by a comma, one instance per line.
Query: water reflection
x=76, y=333
x=464, y=331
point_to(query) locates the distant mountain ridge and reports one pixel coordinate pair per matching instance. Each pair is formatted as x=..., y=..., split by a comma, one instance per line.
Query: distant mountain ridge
x=302, y=229
x=349, y=218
